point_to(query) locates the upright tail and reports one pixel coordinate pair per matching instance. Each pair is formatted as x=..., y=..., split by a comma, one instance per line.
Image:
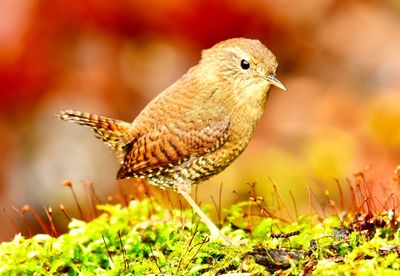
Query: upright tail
x=110, y=131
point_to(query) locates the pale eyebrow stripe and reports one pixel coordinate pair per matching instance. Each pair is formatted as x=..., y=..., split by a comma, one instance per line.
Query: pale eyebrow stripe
x=239, y=52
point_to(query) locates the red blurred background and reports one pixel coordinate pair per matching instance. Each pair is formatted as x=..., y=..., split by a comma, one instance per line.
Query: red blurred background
x=339, y=60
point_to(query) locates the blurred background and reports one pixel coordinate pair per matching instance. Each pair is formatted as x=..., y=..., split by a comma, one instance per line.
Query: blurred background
x=339, y=60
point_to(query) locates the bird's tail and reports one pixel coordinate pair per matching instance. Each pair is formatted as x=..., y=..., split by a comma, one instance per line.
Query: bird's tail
x=112, y=132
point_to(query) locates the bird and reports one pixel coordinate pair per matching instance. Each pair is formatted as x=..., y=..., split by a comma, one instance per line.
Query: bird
x=196, y=127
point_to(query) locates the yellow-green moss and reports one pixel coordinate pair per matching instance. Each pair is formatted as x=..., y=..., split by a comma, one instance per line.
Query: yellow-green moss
x=174, y=243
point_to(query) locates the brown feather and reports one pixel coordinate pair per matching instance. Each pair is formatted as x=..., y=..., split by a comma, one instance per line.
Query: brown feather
x=108, y=130
x=172, y=143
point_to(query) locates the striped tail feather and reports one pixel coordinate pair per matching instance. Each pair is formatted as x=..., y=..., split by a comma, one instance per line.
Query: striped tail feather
x=110, y=131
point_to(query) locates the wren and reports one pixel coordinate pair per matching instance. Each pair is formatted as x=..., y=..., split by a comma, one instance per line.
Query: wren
x=196, y=127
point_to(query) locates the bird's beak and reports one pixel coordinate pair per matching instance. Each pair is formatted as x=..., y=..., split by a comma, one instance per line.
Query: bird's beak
x=271, y=78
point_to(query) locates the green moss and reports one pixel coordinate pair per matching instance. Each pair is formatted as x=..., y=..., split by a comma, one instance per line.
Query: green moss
x=144, y=238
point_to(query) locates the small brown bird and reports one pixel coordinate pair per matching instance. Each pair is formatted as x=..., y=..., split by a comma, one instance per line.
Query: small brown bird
x=196, y=127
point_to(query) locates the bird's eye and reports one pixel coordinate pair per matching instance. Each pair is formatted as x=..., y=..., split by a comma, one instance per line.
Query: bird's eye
x=245, y=64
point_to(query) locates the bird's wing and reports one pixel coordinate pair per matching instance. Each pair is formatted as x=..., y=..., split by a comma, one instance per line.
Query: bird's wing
x=175, y=142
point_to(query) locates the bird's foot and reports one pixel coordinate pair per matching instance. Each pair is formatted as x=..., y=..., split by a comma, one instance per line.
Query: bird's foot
x=222, y=238
x=225, y=240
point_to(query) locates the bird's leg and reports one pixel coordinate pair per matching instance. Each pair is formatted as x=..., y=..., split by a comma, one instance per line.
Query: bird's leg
x=215, y=233
x=184, y=188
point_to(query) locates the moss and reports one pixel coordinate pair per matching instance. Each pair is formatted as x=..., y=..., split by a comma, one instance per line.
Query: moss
x=143, y=238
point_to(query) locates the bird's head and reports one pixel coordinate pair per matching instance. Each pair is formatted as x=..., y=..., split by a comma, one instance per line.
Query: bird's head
x=246, y=64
